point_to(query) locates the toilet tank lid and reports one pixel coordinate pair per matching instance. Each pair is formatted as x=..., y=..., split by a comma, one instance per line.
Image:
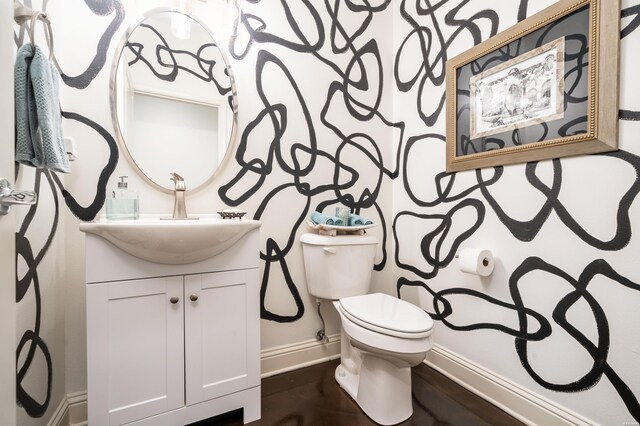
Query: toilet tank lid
x=338, y=240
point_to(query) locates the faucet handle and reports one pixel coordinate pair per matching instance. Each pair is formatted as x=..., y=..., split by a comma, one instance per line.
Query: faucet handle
x=179, y=182
x=179, y=209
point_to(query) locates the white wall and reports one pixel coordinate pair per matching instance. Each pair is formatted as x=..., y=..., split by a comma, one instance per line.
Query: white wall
x=483, y=323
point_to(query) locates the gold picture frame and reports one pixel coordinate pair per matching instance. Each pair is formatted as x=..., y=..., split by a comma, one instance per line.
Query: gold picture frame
x=545, y=88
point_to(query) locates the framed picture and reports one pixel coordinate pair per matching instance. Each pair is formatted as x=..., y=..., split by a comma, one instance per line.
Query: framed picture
x=523, y=91
x=545, y=88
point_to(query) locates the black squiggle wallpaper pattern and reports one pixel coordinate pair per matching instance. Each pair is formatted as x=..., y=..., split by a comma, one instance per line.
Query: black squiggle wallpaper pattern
x=427, y=22
x=206, y=57
x=31, y=341
x=301, y=158
x=533, y=326
x=319, y=31
x=100, y=8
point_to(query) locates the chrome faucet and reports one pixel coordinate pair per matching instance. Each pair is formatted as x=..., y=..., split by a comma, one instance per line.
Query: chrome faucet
x=179, y=208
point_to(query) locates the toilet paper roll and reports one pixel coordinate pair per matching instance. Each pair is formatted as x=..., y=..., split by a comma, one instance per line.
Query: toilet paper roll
x=476, y=261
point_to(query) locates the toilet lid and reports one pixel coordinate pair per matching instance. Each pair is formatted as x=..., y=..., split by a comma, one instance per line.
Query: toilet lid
x=386, y=312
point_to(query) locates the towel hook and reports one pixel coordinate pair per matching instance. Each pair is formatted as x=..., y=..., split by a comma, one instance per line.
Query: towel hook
x=48, y=35
x=48, y=32
x=32, y=28
x=22, y=13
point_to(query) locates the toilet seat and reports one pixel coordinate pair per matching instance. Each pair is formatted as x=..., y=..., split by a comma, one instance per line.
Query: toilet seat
x=387, y=315
x=382, y=341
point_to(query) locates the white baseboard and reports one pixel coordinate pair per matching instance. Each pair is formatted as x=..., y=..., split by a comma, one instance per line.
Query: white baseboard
x=529, y=408
x=72, y=411
x=60, y=417
x=298, y=355
x=77, y=409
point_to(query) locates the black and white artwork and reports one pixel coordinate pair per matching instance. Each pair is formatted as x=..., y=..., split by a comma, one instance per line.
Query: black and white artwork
x=521, y=92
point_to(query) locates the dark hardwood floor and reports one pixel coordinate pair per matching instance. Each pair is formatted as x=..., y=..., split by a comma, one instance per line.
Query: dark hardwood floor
x=311, y=396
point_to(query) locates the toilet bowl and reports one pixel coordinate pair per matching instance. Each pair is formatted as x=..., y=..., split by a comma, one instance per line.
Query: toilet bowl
x=382, y=337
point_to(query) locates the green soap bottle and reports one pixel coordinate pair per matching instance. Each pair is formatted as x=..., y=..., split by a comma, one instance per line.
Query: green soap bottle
x=122, y=203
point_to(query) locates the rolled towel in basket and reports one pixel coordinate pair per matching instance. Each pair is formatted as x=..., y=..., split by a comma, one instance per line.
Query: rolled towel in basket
x=319, y=218
x=355, y=220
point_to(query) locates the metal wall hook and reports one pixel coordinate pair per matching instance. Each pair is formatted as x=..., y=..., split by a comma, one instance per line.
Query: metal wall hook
x=23, y=14
x=9, y=197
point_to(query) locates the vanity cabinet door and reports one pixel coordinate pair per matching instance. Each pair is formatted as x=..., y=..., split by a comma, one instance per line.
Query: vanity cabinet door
x=135, y=349
x=222, y=334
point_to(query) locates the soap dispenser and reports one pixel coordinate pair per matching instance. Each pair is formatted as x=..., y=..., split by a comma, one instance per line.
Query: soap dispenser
x=122, y=203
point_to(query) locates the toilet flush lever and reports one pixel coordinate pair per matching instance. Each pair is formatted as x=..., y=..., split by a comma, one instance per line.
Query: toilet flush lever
x=331, y=250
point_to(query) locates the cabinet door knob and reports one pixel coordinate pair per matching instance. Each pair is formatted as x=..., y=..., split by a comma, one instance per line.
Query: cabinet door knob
x=174, y=300
x=193, y=297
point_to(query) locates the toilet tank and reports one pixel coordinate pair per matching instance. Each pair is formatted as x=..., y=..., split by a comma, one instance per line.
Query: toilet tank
x=339, y=266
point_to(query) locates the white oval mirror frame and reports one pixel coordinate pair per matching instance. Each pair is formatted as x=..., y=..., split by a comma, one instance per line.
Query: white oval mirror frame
x=197, y=157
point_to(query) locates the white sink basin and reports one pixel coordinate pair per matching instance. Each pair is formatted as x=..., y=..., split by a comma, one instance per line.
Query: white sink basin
x=174, y=242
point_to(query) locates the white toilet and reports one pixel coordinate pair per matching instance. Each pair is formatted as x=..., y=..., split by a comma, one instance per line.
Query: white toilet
x=382, y=336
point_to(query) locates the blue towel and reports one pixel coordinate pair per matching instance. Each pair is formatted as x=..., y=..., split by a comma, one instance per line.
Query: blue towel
x=319, y=218
x=25, y=110
x=39, y=140
x=355, y=220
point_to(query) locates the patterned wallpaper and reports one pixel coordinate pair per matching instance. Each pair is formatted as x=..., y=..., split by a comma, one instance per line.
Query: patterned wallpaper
x=552, y=316
x=38, y=269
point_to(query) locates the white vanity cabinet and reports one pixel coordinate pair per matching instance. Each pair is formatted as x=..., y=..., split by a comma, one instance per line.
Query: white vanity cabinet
x=172, y=344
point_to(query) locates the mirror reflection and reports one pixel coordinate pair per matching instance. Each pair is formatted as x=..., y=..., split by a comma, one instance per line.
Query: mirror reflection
x=174, y=99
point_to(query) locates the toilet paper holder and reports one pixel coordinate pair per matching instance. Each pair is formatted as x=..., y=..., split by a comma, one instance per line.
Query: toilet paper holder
x=485, y=261
x=475, y=261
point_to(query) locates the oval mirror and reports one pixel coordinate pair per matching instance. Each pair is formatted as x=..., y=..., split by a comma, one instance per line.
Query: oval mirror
x=173, y=99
